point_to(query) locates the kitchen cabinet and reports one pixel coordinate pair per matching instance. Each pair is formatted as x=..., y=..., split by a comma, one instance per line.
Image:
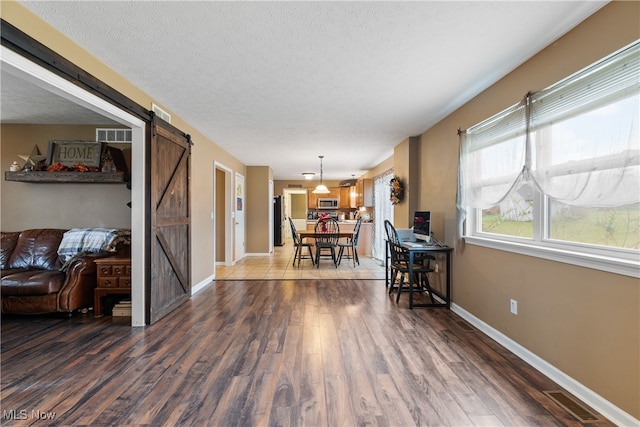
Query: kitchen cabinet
x=312, y=200
x=366, y=236
x=345, y=198
x=353, y=197
x=364, y=193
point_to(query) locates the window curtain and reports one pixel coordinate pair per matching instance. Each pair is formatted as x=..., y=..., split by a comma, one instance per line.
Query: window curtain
x=576, y=142
x=492, y=160
x=584, y=135
x=383, y=209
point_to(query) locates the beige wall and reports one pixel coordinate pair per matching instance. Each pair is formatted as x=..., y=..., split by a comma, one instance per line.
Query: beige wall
x=384, y=166
x=298, y=206
x=258, y=209
x=205, y=152
x=584, y=322
x=406, y=166
x=35, y=205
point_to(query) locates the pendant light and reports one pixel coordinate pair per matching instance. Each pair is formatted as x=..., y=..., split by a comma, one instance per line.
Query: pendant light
x=321, y=188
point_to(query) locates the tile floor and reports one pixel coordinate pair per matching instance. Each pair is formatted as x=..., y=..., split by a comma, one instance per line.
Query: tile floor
x=279, y=266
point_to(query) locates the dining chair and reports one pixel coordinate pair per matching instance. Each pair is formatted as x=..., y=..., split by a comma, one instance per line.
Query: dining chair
x=300, y=246
x=327, y=233
x=351, y=245
x=400, y=265
x=392, y=238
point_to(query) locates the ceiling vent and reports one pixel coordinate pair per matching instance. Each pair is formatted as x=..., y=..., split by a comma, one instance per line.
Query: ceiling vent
x=348, y=183
x=113, y=135
x=161, y=113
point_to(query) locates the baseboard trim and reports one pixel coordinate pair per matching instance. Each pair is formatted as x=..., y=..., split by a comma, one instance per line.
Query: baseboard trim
x=597, y=402
x=201, y=285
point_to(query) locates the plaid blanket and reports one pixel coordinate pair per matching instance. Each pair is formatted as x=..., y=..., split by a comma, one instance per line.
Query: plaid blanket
x=91, y=240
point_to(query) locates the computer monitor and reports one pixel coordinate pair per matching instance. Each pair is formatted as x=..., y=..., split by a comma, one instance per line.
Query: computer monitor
x=422, y=225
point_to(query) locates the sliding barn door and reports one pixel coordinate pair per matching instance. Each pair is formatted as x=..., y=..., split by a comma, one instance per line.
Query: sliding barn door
x=168, y=276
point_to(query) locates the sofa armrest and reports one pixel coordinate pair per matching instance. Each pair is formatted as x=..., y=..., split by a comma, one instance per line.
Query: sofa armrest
x=79, y=283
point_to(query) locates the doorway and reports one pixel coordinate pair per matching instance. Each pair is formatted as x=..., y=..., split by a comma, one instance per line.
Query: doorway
x=33, y=73
x=223, y=215
x=239, y=217
x=295, y=207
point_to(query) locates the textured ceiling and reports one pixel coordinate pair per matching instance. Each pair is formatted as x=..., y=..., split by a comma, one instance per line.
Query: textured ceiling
x=280, y=83
x=26, y=103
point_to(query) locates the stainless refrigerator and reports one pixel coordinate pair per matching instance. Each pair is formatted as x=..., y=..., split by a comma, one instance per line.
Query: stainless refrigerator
x=278, y=221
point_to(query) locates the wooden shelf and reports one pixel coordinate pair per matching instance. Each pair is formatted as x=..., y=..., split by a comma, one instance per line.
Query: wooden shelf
x=66, y=177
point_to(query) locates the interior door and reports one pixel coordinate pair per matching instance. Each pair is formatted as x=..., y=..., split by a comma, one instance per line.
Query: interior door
x=239, y=213
x=169, y=267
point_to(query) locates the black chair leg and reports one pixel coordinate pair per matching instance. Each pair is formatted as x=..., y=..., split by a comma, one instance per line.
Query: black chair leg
x=351, y=253
x=427, y=286
x=419, y=283
x=394, y=277
x=400, y=287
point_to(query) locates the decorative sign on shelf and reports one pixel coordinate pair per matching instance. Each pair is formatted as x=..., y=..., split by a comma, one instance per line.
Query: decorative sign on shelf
x=70, y=153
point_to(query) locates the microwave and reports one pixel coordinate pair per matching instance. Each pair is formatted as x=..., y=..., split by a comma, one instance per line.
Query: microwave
x=327, y=203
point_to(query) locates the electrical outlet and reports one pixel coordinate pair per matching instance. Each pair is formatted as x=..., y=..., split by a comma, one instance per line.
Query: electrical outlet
x=437, y=268
x=514, y=307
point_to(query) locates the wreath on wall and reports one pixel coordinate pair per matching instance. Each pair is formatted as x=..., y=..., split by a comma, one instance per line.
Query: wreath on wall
x=397, y=190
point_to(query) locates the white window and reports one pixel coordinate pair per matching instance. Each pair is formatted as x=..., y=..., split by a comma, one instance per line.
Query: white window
x=558, y=175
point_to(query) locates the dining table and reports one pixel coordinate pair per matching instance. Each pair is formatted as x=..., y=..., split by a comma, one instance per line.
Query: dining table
x=312, y=234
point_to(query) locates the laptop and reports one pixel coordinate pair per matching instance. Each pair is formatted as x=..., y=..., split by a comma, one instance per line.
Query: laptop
x=406, y=234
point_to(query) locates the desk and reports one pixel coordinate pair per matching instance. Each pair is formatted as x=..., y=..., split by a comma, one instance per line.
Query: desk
x=425, y=249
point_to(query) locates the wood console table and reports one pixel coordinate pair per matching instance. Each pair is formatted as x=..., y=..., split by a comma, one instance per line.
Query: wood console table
x=114, y=277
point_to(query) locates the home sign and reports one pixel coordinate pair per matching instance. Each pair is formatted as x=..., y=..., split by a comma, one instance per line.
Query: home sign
x=70, y=153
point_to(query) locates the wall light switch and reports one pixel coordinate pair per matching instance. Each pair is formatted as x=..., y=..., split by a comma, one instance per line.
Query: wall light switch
x=514, y=306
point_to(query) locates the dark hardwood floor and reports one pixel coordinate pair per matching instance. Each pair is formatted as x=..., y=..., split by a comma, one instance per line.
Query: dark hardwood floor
x=271, y=353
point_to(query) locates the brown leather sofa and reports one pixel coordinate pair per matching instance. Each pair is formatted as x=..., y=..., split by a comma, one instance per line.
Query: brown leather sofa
x=32, y=280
